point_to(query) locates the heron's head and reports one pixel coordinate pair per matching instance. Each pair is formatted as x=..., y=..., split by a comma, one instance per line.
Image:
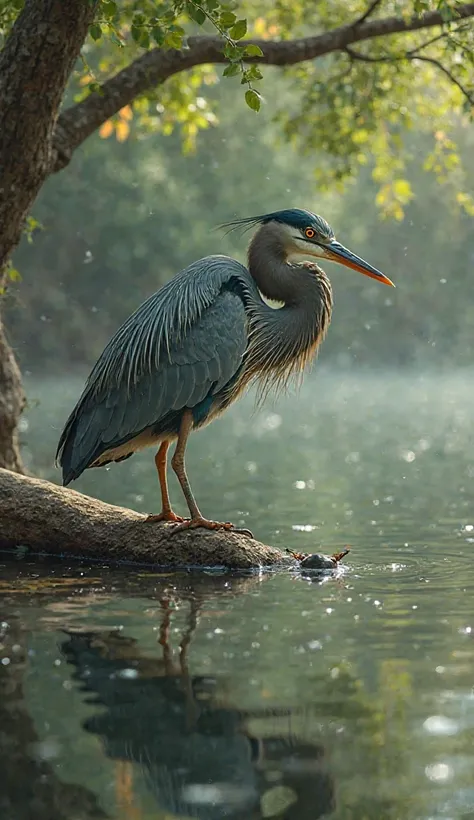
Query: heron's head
x=304, y=234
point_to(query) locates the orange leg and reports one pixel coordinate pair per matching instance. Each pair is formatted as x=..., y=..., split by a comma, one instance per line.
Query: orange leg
x=166, y=513
x=177, y=462
x=124, y=790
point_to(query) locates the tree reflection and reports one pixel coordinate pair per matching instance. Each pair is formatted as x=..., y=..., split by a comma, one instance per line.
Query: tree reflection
x=196, y=751
x=29, y=785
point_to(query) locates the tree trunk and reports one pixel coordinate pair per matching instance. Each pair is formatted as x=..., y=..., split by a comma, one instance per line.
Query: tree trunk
x=43, y=517
x=35, y=65
x=12, y=401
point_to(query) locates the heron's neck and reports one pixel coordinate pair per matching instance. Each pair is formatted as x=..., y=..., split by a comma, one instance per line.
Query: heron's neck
x=283, y=341
x=297, y=286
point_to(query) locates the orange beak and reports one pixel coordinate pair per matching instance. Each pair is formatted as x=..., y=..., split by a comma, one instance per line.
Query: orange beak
x=338, y=253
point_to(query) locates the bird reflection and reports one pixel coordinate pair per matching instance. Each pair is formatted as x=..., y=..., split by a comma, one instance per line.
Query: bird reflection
x=198, y=756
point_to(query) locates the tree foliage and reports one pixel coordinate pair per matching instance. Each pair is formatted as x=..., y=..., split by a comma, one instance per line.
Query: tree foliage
x=131, y=217
x=379, y=70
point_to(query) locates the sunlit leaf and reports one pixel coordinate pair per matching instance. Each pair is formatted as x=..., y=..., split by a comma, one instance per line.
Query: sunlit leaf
x=253, y=99
x=122, y=130
x=239, y=30
x=253, y=51
x=106, y=129
x=227, y=19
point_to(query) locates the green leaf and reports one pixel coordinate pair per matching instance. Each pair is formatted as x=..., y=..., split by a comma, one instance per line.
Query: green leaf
x=227, y=19
x=95, y=31
x=253, y=51
x=173, y=40
x=144, y=39
x=232, y=52
x=14, y=275
x=239, y=30
x=231, y=70
x=109, y=8
x=196, y=14
x=253, y=99
x=255, y=73
x=95, y=88
x=136, y=33
x=158, y=35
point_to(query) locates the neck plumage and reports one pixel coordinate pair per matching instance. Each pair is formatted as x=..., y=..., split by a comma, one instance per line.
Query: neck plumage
x=282, y=342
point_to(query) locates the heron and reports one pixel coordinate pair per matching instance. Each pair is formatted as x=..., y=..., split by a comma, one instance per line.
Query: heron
x=193, y=347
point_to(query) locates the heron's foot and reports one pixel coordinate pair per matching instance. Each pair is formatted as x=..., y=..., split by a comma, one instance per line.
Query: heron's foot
x=166, y=515
x=204, y=523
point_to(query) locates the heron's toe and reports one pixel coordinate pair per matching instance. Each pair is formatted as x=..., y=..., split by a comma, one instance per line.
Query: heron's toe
x=243, y=531
x=206, y=524
x=166, y=515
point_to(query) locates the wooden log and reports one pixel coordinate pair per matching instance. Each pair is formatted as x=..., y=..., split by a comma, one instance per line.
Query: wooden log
x=46, y=518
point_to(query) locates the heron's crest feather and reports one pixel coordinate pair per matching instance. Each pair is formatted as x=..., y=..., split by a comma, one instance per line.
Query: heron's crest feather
x=294, y=217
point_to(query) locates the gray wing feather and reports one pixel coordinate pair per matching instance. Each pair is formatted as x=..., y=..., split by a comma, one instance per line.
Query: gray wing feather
x=182, y=343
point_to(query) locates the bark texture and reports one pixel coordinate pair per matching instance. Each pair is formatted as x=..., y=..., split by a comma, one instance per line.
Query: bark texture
x=46, y=518
x=35, y=65
x=12, y=401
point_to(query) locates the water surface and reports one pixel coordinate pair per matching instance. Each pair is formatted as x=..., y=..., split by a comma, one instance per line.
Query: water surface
x=214, y=696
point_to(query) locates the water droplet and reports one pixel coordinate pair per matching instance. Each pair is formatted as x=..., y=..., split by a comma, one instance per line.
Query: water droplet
x=128, y=674
x=439, y=772
x=272, y=422
x=303, y=527
x=315, y=645
x=440, y=725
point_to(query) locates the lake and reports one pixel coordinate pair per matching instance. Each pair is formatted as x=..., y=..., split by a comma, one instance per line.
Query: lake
x=212, y=695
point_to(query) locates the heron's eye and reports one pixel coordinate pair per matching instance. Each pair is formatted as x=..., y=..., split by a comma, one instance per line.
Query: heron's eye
x=309, y=233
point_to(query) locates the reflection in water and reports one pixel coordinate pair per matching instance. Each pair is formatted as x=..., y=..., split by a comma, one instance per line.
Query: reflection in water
x=29, y=786
x=196, y=751
x=379, y=662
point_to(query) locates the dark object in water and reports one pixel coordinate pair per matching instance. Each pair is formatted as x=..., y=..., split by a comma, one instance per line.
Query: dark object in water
x=316, y=560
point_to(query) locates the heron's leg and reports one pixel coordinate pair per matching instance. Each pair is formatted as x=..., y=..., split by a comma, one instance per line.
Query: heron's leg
x=177, y=463
x=166, y=513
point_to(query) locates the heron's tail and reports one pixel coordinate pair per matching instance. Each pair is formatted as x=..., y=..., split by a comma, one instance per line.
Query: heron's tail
x=78, y=445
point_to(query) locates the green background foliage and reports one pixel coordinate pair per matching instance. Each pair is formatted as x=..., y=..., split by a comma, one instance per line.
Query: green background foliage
x=361, y=135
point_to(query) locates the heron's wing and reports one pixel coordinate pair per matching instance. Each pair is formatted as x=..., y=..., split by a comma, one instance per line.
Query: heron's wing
x=181, y=347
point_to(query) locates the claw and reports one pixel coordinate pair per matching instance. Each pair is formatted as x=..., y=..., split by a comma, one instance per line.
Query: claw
x=204, y=523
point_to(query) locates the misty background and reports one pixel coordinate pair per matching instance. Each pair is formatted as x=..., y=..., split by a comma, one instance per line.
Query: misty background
x=127, y=215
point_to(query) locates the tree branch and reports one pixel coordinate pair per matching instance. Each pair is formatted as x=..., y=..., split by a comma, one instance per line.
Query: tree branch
x=367, y=13
x=412, y=55
x=469, y=97
x=77, y=123
x=46, y=518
